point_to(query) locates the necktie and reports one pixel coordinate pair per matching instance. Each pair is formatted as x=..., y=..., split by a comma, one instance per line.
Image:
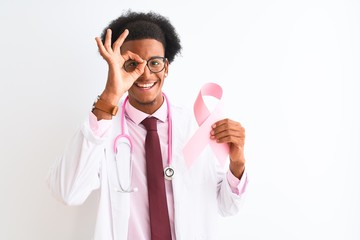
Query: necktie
x=159, y=216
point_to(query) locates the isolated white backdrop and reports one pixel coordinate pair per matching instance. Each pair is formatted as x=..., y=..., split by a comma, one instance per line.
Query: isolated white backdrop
x=290, y=74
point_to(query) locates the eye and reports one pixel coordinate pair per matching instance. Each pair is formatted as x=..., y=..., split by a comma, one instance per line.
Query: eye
x=130, y=65
x=155, y=62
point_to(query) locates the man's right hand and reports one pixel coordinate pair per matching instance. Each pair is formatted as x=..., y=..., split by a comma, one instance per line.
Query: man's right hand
x=119, y=81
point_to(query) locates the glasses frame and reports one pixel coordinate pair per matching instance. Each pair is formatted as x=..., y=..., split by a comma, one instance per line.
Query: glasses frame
x=164, y=59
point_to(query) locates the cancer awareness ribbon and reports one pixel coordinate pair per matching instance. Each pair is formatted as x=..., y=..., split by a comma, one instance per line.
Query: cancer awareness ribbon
x=205, y=119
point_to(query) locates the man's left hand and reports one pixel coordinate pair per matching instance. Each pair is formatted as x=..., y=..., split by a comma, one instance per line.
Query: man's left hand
x=231, y=132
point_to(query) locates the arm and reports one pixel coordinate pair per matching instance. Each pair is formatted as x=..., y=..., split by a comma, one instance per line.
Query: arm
x=76, y=173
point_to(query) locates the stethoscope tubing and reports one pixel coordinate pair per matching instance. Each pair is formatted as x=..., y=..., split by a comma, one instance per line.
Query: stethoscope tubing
x=127, y=136
x=123, y=134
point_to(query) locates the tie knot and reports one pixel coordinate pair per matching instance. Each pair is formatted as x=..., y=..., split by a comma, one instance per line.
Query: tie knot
x=150, y=123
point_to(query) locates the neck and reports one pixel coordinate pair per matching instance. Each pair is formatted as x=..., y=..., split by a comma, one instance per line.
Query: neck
x=147, y=107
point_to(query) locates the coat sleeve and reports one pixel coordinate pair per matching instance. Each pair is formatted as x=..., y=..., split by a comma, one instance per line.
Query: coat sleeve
x=230, y=203
x=75, y=174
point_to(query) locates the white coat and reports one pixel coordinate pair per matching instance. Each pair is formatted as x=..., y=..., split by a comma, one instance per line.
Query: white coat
x=200, y=193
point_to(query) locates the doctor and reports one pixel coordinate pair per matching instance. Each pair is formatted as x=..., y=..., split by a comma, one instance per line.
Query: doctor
x=108, y=151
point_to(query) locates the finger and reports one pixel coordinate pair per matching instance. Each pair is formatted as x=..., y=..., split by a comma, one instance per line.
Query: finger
x=226, y=124
x=139, y=70
x=228, y=129
x=133, y=56
x=224, y=121
x=233, y=139
x=119, y=42
x=228, y=132
x=225, y=132
x=107, y=43
x=236, y=141
x=101, y=48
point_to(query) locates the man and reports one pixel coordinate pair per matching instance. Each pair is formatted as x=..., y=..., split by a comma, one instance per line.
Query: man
x=110, y=151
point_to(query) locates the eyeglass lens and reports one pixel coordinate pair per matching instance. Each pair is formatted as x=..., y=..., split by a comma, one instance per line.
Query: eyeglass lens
x=155, y=64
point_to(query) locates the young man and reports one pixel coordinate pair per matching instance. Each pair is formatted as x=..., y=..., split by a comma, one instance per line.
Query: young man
x=111, y=150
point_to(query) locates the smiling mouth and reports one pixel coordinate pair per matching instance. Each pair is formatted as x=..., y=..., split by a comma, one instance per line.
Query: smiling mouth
x=145, y=85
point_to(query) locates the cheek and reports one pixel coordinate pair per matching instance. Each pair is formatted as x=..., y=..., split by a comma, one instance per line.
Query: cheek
x=161, y=76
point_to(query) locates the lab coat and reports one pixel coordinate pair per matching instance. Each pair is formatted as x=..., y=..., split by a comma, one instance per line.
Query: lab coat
x=200, y=193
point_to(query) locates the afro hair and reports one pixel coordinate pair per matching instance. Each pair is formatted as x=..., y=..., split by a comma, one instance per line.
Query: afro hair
x=146, y=26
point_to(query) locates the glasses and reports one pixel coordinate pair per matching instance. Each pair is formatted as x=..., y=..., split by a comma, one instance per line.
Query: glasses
x=155, y=64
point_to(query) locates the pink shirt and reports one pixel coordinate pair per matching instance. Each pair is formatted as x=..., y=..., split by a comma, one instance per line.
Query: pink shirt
x=139, y=227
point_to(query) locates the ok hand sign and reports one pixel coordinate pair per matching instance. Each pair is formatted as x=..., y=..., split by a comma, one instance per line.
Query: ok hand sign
x=118, y=81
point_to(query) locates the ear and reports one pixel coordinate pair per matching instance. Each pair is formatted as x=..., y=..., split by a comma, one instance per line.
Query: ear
x=166, y=68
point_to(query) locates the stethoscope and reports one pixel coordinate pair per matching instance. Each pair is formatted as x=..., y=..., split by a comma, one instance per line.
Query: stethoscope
x=168, y=170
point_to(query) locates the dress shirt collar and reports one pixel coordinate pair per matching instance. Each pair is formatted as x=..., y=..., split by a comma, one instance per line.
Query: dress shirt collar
x=138, y=116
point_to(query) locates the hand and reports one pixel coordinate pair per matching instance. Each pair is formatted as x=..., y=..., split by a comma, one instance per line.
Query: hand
x=231, y=132
x=119, y=81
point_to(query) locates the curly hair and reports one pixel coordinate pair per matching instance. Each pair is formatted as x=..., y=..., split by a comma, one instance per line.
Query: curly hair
x=146, y=26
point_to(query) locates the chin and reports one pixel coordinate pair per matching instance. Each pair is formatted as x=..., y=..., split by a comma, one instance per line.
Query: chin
x=146, y=102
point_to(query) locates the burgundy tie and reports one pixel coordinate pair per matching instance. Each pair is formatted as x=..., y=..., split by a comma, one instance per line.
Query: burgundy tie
x=159, y=215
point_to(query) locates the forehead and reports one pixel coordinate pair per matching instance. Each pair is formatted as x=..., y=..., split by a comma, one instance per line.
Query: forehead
x=145, y=48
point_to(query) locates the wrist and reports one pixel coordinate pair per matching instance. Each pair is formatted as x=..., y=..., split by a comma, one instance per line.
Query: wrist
x=110, y=97
x=237, y=168
x=104, y=106
x=114, y=88
x=101, y=115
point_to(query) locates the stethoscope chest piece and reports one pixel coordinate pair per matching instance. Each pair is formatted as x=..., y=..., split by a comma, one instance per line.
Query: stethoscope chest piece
x=168, y=173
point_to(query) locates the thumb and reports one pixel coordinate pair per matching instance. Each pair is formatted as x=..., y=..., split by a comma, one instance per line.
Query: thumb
x=139, y=70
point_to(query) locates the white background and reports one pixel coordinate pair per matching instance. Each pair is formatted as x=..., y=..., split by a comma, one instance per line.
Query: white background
x=290, y=74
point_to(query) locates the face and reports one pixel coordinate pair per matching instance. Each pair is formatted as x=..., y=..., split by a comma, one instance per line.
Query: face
x=146, y=94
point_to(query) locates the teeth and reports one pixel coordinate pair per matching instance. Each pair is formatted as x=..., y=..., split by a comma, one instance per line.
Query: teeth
x=147, y=85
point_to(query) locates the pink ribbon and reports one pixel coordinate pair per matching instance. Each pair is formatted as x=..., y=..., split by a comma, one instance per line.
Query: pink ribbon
x=205, y=119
